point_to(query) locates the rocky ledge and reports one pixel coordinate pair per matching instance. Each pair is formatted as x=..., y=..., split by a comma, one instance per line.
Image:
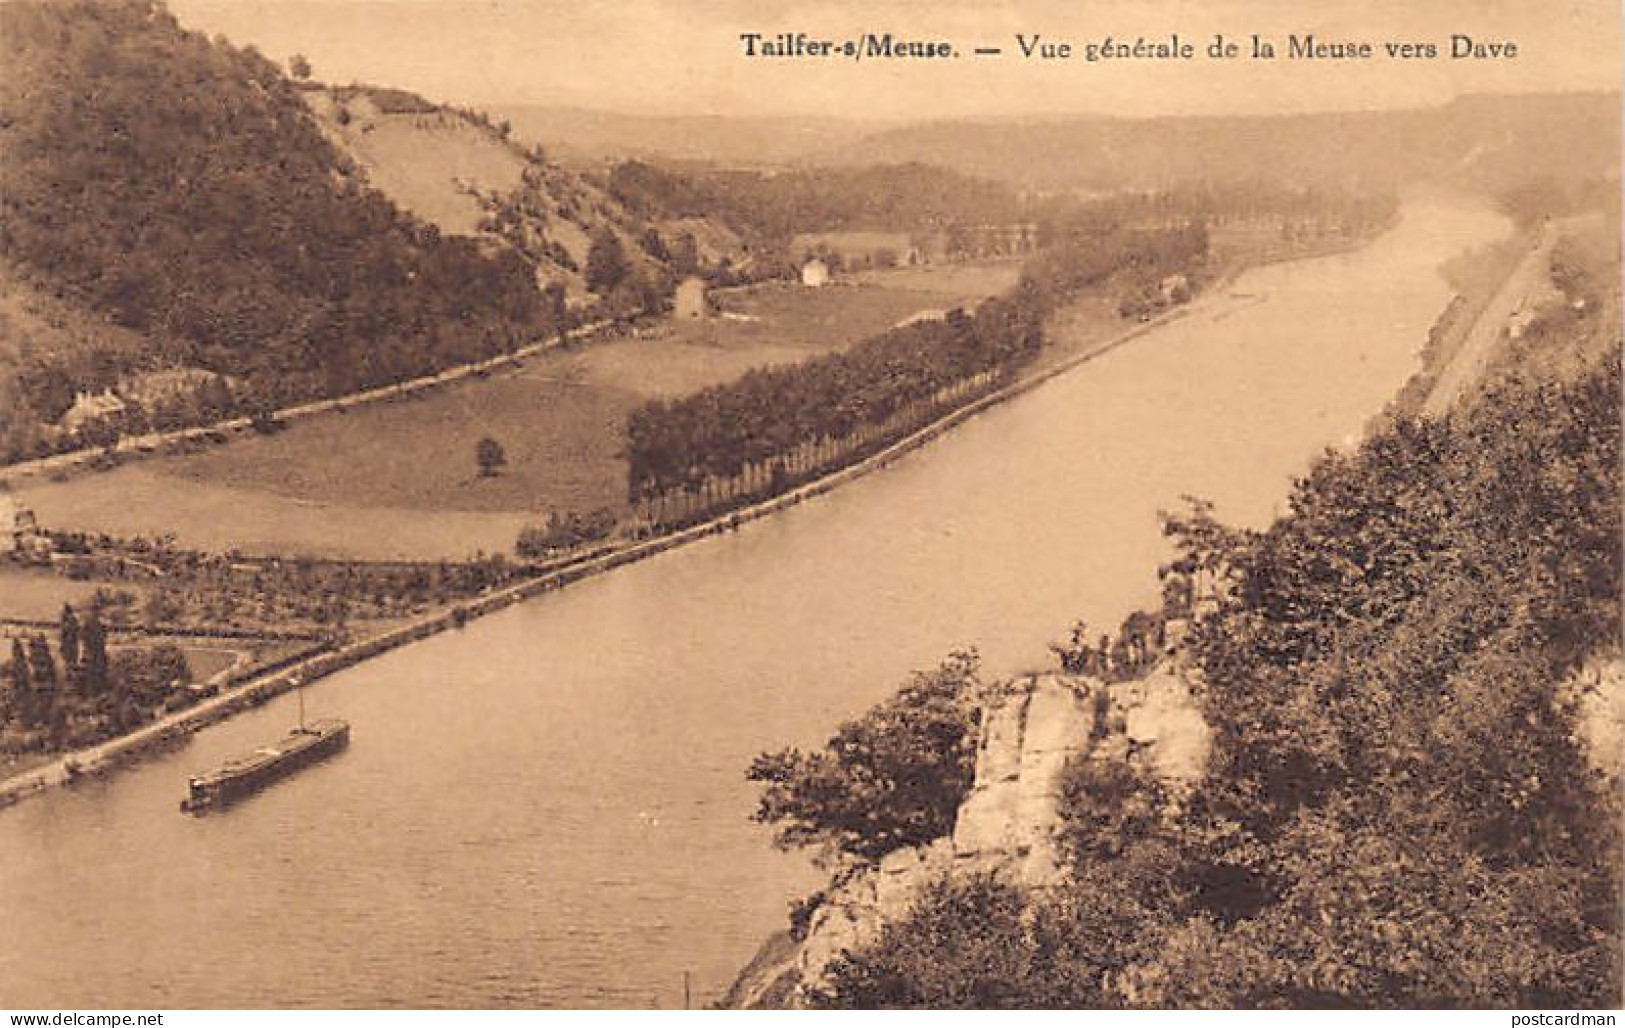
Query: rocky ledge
x=1009, y=825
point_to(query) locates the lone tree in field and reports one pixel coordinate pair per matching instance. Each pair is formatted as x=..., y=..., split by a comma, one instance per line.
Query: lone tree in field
x=488, y=453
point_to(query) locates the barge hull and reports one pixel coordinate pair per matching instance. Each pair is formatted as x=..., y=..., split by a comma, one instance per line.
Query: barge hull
x=249, y=774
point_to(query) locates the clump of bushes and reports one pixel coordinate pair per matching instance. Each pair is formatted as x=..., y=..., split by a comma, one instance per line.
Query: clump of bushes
x=564, y=532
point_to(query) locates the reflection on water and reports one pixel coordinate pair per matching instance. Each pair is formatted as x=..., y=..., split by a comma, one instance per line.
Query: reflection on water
x=548, y=808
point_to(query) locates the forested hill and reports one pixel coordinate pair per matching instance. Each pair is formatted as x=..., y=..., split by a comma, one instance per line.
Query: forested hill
x=1487, y=141
x=893, y=197
x=180, y=188
x=1484, y=141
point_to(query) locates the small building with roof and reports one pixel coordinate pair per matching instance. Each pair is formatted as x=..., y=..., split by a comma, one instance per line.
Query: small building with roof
x=815, y=273
x=690, y=302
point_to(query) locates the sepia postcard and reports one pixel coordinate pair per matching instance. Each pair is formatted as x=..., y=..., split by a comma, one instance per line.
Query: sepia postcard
x=713, y=504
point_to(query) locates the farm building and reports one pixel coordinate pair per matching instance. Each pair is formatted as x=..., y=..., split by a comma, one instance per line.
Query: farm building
x=689, y=302
x=815, y=273
x=19, y=532
x=1175, y=289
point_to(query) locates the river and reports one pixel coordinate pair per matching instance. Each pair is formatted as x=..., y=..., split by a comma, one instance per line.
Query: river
x=548, y=808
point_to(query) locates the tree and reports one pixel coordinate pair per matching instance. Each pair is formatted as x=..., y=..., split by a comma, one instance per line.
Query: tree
x=979, y=942
x=894, y=777
x=555, y=305
x=299, y=67
x=42, y=675
x=607, y=264
x=654, y=245
x=685, y=254
x=489, y=455
x=68, y=639
x=93, y=672
x=22, y=688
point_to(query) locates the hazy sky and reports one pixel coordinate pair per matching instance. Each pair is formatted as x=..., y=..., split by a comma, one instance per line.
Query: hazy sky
x=684, y=56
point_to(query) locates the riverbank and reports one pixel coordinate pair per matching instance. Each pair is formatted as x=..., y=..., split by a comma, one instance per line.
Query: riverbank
x=397, y=480
x=168, y=731
x=524, y=783
x=266, y=684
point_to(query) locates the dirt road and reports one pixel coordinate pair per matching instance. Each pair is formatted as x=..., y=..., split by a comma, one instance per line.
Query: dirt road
x=1528, y=284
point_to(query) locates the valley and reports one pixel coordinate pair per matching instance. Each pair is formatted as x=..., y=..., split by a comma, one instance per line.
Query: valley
x=1040, y=551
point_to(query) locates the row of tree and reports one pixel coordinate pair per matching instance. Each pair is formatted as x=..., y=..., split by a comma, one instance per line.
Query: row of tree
x=743, y=433
x=188, y=588
x=766, y=414
x=81, y=694
x=39, y=696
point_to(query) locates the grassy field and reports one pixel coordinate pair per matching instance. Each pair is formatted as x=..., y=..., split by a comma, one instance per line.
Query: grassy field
x=398, y=480
x=34, y=594
x=948, y=284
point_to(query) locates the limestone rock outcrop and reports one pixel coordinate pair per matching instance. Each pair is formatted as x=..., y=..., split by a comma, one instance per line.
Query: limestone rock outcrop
x=1032, y=727
x=1597, y=689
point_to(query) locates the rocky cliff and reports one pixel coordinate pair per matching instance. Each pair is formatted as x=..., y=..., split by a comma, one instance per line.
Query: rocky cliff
x=1009, y=825
x=1597, y=691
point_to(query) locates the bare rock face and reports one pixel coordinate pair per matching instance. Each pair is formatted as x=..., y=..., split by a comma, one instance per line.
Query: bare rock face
x=1029, y=733
x=852, y=916
x=1598, y=691
x=1162, y=724
x=1009, y=825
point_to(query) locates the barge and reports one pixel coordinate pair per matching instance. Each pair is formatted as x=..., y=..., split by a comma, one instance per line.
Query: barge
x=251, y=772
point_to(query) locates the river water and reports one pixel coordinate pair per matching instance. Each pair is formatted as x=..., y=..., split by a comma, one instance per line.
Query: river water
x=548, y=808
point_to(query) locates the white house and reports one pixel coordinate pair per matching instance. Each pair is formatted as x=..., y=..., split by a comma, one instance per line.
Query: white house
x=815, y=273
x=1519, y=324
x=689, y=302
x=1175, y=289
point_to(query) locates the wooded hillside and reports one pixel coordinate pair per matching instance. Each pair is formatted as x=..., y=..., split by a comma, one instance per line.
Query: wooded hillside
x=180, y=188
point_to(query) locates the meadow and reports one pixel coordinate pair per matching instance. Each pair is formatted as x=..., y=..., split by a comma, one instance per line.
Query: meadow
x=399, y=480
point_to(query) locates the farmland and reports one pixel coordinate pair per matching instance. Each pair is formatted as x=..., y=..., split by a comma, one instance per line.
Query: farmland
x=38, y=595
x=398, y=480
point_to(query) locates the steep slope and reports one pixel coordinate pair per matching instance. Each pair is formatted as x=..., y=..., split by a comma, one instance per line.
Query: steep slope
x=427, y=159
x=587, y=136
x=1411, y=689
x=179, y=188
x=463, y=174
